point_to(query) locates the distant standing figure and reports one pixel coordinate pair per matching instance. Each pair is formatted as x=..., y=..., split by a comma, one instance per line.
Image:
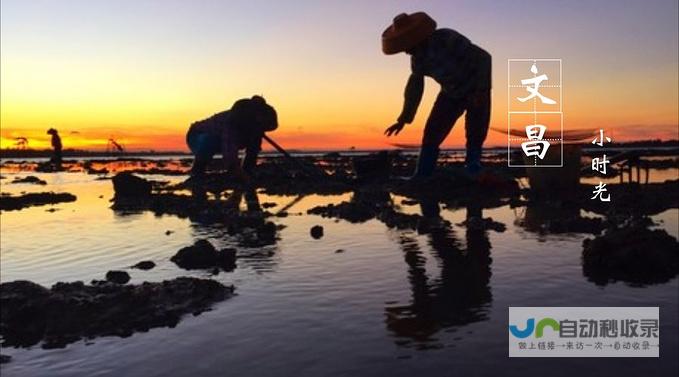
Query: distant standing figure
x=461, y=68
x=240, y=127
x=56, y=146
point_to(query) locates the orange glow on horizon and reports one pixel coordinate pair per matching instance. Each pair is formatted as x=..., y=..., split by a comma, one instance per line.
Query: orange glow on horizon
x=299, y=140
x=320, y=66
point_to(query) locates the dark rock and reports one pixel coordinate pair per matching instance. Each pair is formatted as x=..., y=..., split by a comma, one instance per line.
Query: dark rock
x=127, y=185
x=68, y=312
x=354, y=212
x=576, y=225
x=478, y=223
x=48, y=167
x=5, y=359
x=226, y=258
x=11, y=203
x=267, y=230
x=268, y=205
x=202, y=255
x=168, y=232
x=364, y=205
x=633, y=254
x=372, y=167
x=556, y=218
x=253, y=231
x=118, y=277
x=91, y=170
x=30, y=179
x=144, y=265
x=316, y=231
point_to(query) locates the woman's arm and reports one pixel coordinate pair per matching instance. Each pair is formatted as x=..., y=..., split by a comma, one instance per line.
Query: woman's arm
x=412, y=97
x=411, y=101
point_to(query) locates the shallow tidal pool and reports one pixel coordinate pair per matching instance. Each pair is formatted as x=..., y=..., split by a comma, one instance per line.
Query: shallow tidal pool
x=362, y=300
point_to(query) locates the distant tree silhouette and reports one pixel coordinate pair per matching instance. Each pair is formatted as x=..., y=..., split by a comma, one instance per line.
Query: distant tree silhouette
x=21, y=142
x=114, y=147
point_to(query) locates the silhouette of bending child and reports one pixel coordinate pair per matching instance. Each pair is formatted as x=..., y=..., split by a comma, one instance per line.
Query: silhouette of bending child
x=240, y=127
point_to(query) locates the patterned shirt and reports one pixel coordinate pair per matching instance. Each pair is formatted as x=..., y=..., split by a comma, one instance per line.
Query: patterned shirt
x=231, y=140
x=459, y=66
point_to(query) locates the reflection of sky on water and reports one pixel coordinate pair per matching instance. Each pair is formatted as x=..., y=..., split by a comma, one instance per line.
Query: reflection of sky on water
x=392, y=301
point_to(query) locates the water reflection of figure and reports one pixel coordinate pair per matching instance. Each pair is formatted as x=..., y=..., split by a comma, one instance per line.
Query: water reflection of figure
x=224, y=211
x=459, y=295
x=229, y=225
x=549, y=218
x=251, y=200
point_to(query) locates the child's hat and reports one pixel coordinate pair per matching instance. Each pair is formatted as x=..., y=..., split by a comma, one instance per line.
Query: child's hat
x=406, y=32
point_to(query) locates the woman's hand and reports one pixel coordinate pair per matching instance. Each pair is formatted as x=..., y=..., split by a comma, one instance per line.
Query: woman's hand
x=394, y=129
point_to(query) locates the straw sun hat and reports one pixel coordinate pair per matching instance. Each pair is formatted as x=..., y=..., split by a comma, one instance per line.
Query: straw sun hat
x=406, y=32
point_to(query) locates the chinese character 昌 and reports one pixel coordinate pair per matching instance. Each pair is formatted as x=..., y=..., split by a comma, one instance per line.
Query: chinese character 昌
x=535, y=146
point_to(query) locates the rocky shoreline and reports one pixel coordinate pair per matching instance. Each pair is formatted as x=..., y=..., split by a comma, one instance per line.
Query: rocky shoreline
x=68, y=312
x=19, y=202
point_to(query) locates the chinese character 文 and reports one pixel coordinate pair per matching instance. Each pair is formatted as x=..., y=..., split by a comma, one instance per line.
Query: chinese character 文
x=534, y=90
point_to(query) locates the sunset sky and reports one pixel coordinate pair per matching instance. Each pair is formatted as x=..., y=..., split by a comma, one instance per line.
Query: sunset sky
x=142, y=71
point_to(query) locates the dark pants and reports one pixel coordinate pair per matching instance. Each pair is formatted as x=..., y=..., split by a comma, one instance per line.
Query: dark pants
x=447, y=110
x=203, y=146
x=56, y=156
